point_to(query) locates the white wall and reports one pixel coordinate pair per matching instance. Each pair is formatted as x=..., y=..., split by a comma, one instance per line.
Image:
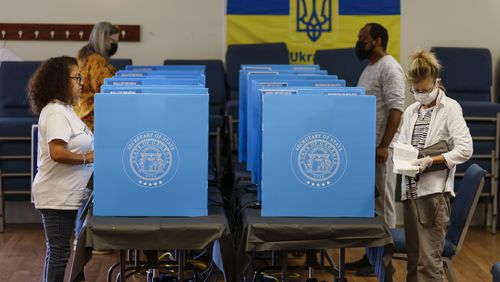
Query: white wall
x=169, y=28
x=450, y=23
x=195, y=28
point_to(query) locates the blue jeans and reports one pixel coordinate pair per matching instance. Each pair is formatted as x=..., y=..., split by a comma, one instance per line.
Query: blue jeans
x=58, y=225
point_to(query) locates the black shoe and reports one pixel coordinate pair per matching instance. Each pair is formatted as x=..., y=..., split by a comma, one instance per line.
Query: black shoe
x=363, y=262
x=367, y=271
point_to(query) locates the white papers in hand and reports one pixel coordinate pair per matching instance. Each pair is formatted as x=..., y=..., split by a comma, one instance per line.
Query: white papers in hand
x=404, y=158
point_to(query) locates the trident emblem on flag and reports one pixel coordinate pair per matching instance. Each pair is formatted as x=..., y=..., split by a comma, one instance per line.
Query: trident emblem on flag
x=314, y=17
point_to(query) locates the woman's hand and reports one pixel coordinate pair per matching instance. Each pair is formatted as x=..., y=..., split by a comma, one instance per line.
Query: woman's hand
x=423, y=163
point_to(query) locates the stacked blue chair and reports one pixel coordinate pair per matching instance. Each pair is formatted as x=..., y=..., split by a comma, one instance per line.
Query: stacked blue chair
x=215, y=146
x=462, y=211
x=16, y=120
x=215, y=81
x=120, y=64
x=342, y=62
x=239, y=54
x=467, y=76
x=232, y=125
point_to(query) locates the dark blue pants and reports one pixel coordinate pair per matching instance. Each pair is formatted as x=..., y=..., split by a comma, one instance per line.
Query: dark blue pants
x=58, y=225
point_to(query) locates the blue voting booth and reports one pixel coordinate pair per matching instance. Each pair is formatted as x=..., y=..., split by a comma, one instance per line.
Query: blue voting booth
x=134, y=73
x=173, y=89
x=256, y=133
x=254, y=110
x=244, y=78
x=151, y=150
x=318, y=155
x=200, y=68
x=182, y=80
x=279, y=67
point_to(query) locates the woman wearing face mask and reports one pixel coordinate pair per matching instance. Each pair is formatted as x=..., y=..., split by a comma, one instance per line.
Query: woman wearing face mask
x=93, y=60
x=432, y=118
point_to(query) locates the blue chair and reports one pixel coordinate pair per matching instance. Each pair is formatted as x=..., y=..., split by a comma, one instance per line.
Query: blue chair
x=120, y=64
x=495, y=272
x=462, y=211
x=341, y=62
x=14, y=77
x=467, y=75
x=239, y=54
x=215, y=81
x=215, y=172
x=16, y=120
x=238, y=170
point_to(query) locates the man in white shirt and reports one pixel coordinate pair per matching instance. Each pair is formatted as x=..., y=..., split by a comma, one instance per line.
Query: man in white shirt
x=384, y=79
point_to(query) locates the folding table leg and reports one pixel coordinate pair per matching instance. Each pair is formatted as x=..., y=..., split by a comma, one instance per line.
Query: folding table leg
x=284, y=266
x=181, y=257
x=122, y=266
x=341, y=277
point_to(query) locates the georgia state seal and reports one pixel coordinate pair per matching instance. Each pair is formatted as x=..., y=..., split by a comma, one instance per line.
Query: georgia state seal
x=318, y=160
x=150, y=159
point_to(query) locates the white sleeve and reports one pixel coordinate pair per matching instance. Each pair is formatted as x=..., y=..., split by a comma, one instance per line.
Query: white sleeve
x=57, y=127
x=393, y=83
x=403, y=132
x=462, y=139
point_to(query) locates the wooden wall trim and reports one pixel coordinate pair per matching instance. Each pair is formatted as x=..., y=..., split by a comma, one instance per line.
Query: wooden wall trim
x=60, y=32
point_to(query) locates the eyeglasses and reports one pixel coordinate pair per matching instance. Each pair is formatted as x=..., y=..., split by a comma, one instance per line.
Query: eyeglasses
x=77, y=78
x=424, y=92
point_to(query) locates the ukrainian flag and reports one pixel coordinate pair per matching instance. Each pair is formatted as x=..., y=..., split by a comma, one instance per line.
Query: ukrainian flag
x=308, y=25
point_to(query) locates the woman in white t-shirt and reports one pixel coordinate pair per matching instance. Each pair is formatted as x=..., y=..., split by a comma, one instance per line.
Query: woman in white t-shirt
x=65, y=155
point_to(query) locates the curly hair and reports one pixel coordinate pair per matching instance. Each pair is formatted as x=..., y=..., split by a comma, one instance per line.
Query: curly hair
x=51, y=82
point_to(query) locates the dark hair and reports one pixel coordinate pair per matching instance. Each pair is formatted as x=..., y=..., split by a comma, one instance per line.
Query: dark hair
x=50, y=82
x=376, y=31
x=98, y=40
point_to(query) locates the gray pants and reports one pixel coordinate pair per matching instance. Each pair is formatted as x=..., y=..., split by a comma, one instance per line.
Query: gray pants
x=425, y=228
x=385, y=183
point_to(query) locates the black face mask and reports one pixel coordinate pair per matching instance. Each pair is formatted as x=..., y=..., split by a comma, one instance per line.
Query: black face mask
x=113, y=49
x=361, y=52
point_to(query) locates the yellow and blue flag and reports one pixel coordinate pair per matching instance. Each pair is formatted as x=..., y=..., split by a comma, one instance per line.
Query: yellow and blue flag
x=308, y=25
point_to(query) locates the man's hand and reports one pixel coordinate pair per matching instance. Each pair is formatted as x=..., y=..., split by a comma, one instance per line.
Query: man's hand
x=382, y=153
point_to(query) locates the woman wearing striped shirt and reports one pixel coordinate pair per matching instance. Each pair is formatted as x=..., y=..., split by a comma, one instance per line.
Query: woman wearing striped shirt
x=432, y=118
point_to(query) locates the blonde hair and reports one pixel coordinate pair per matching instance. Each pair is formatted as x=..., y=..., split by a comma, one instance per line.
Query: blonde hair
x=423, y=64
